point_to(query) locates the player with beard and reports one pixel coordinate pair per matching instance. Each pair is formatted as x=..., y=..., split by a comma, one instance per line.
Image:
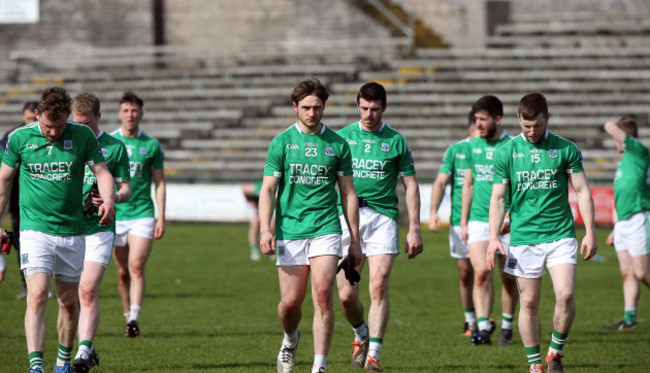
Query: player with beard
x=477, y=189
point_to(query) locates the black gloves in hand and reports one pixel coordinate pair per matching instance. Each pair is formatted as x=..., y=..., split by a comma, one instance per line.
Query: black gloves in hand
x=351, y=274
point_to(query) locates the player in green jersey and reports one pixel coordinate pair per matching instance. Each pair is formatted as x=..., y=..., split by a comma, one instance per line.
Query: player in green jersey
x=488, y=111
x=534, y=170
x=452, y=172
x=135, y=228
x=51, y=155
x=304, y=163
x=380, y=155
x=99, y=238
x=631, y=234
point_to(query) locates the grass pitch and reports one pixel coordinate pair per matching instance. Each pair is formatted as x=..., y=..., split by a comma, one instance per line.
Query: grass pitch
x=208, y=308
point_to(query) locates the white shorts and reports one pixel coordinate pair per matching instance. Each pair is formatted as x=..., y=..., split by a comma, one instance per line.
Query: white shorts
x=457, y=247
x=377, y=232
x=142, y=227
x=478, y=231
x=298, y=252
x=99, y=247
x=59, y=257
x=633, y=234
x=528, y=260
x=2, y=262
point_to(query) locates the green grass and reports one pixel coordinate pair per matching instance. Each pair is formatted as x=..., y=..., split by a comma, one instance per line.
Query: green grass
x=208, y=308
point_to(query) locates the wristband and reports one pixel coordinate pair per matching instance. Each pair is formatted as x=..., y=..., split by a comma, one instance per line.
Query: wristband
x=262, y=232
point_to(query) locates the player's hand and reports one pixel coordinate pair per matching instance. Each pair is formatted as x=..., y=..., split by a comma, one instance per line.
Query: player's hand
x=6, y=239
x=589, y=247
x=494, y=245
x=413, y=246
x=354, y=252
x=159, y=229
x=434, y=222
x=267, y=242
x=463, y=232
x=106, y=213
x=610, y=238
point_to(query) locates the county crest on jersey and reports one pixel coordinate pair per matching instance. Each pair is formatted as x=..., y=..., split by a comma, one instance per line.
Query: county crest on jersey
x=480, y=159
x=537, y=176
x=117, y=161
x=145, y=154
x=308, y=166
x=453, y=165
x=378, y=158
x=51, y=176
x=632, y=181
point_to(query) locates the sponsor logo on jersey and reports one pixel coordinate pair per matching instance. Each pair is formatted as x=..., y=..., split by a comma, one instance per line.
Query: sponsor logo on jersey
x=31, y=146
x=105, y=152
x=329, y=151
x=460, y=156
x=352, y=142
x=67, y=144
x=477, y=151
x=552, y=153
x=385, y=147
x=143, y=150
x=517, y=155
x=292, y=147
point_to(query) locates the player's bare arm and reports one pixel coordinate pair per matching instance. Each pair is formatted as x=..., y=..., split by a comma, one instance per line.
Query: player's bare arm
x=413, y=246
x=467, y=195
x=437, y=192
x=123, y=193
x=106, y=185
x=580, y=184
x=497, y=213
x=615, y=131
x=158, y=177
x=265, y=208
x=6, y=177
x=350, y=204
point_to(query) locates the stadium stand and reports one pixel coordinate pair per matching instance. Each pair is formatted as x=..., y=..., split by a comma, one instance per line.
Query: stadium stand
x=216, y=109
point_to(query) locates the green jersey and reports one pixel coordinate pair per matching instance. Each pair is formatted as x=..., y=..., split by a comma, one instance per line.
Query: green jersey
x=480, y=158
x=377, y=159
x=632, y=181
x=308, y=167
x=117, y=161
x=453, y=165
x=51, y=176
x=145, y=155
x=537, y=176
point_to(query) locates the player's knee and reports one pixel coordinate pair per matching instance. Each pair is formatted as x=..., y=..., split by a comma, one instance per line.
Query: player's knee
x=482, y=277
x=323, y=299
x=564, y=297
x=466, y=276
x=87, y=295
x=36, y=299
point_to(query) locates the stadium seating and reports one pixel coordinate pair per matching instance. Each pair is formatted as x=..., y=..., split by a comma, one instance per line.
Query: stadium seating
x=215, y=110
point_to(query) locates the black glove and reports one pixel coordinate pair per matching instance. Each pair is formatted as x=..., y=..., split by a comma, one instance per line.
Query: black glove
x=89, y=208
x=351, y=274
x=6, y=242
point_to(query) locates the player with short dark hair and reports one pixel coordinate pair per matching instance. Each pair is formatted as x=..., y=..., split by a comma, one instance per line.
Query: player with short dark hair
x=631, y=236
x=99, y=238
x=488, y=111
x=51, y=155
x=136, y=228
x=304, y=163
x=380, y=155
x=534, y=170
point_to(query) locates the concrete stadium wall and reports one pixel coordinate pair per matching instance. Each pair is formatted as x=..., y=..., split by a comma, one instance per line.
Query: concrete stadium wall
x=67, y=24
